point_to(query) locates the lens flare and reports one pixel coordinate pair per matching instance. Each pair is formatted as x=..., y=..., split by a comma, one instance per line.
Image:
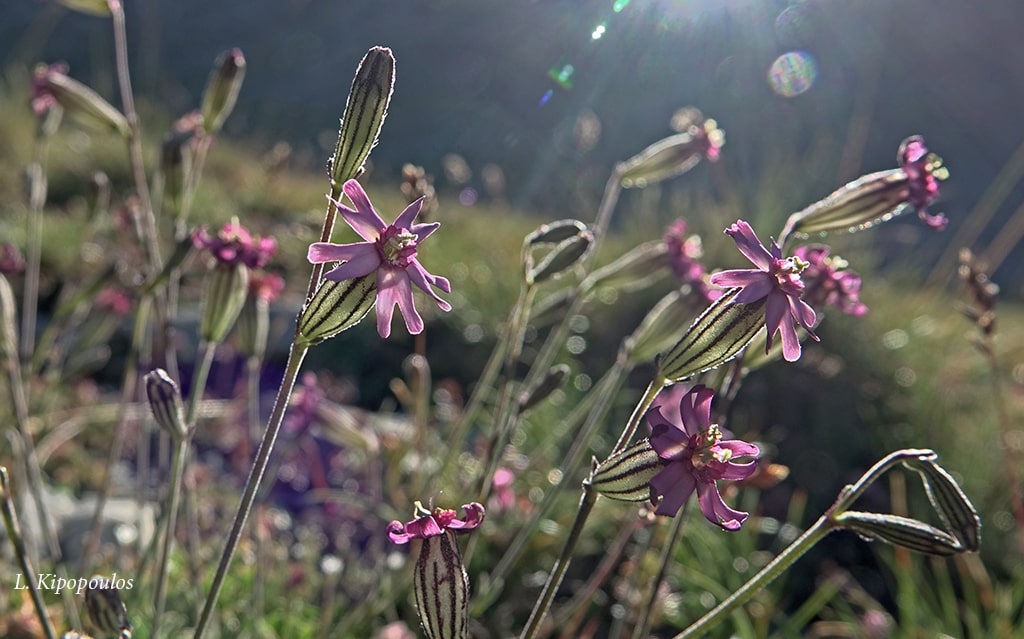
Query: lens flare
x=792, y=73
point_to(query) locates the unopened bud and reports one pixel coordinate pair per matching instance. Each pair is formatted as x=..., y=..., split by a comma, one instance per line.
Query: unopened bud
x=626, y=475
x=672, y=156
x=365, y=111
x=720, y=332
x=566, y=254
x=949, y=500
x=554, y=232
x=636, y=270
x=226, y=288
x=441, y=586
x=336, y=307
x=174, y=168
x=222, y=89
x=900, y=531
x=81, y=102
x=107, y=611
x=659, y=329
x=542, y=389
x=165, y=402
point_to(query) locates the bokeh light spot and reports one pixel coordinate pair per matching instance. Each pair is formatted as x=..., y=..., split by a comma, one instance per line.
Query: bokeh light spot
x=468, y=196
x=619, y=5
x=562, y=76
x=547, y=96
x=598, y=31
x=792, y=73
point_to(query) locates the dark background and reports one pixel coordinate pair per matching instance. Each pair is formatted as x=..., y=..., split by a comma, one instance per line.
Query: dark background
x=471, y=75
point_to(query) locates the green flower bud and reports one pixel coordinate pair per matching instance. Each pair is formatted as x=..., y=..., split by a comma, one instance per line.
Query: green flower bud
x=626, y=475
x=107, y=611
x=554, y=232
x=165, y=402
x=571, y=240
x=657, y=332
x=335, y=307
x=365, y=111
x=721, y=331
x=175, y=164
x=226, y=288
x=441, y=586
x=900, y=531
x=222, y=89
x=672, y=156
x=953, y=506
x=634, y=271
x=81, y=102
x=542, y=389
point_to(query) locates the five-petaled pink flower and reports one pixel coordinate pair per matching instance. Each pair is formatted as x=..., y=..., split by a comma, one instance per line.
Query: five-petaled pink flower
x=827, y=280
x=436, y=523
x=777, y=279
x=923, y=171
x=696, y=457
x=390, y=250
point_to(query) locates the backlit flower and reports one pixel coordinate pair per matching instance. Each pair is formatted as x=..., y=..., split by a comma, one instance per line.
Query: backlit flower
x=435, y=523
x=827, y=281
x=775, y=278
x=684, y=259
x=924, y=170
x=696, y=457
x=390, y=251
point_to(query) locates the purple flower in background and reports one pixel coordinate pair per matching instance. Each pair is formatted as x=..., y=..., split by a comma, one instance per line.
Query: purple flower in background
x=42, y=94
x=115, y=300
x=683, y=258
x=390, y=251
x=923, y=171
x=696, y=457
x=435, y=523
x=774, y=278
x=235, y=245
x=826, y=280
x=265, y=286
x=11, y=261
x=303, y=406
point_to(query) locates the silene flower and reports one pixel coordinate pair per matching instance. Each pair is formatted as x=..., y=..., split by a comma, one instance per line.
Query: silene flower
x=923, y=170
x=827, y=280
x=684, y=255
x=694, y=457
x=233, y=244
x=775, y=278
x=440, y=582
x=390, y=251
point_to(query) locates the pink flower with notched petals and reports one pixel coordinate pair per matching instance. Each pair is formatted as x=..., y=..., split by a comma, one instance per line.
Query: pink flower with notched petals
x=777, y=279
x=923, y=170
x=827, y=280
x=436, y=523
x=390, y=250
x=233, y=244
x=696, y=457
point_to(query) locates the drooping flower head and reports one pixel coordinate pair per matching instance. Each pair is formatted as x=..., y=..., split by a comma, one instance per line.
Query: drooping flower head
x=696, y=457
x=390, y=251
x=684, y=255
x=432, y=524
x=235, y=245
x=775, y=278
x=924, y=170
x=827, y=280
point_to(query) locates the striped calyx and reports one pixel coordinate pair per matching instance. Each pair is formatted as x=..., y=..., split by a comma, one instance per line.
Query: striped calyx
x=626, y=475
x=226, y=288
x=441, y=586
x=721, y=331
x=107, y=611
x=365, y=111
x=335, y=307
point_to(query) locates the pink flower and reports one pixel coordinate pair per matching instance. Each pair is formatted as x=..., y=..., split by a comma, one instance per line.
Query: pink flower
x=42, y=95
x=923, y=170
x=234, y=244
x=696, y=457
x=435, y=523
x=390, y=250
x=777, y=279
x=826, y=280
x=265, y=286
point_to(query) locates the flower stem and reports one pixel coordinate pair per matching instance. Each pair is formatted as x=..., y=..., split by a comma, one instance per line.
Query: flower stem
x=254, y=366
x=643, y=626
x=540, y=609
x=14, y=533
x=825, y=524
x=295, y=356
x=641, y=408
x=177, y=471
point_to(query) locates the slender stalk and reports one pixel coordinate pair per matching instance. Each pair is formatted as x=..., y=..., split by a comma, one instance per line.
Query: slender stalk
x=177, y=471
x=295, y=356
x=641, y=408
x=643, y=625
x=30, y=297
x=253, y=373
x=540, y=609
x=14, y=533
x=1006, y=436
x=145, y=221
x=794, y=551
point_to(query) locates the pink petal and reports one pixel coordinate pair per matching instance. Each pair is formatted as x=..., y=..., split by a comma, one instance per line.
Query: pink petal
x=321, y=252
x=393, y=288
x=407, y=218
x=363, y=264
x=364, y=219
x=422, y=279
x=734, y=471
x=674, y=485
x=695, y=409
x=716, y=510
x=749, y=245
x=776, y=308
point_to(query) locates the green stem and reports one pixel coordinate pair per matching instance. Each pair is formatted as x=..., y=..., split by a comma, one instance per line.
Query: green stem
x=206, y=350
x=794, y=551
x=540, y=609
x=643, y=627
x=641, y=409
x=254, y=366
x=177, y=471
x=14, y=533
x=295, y=356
